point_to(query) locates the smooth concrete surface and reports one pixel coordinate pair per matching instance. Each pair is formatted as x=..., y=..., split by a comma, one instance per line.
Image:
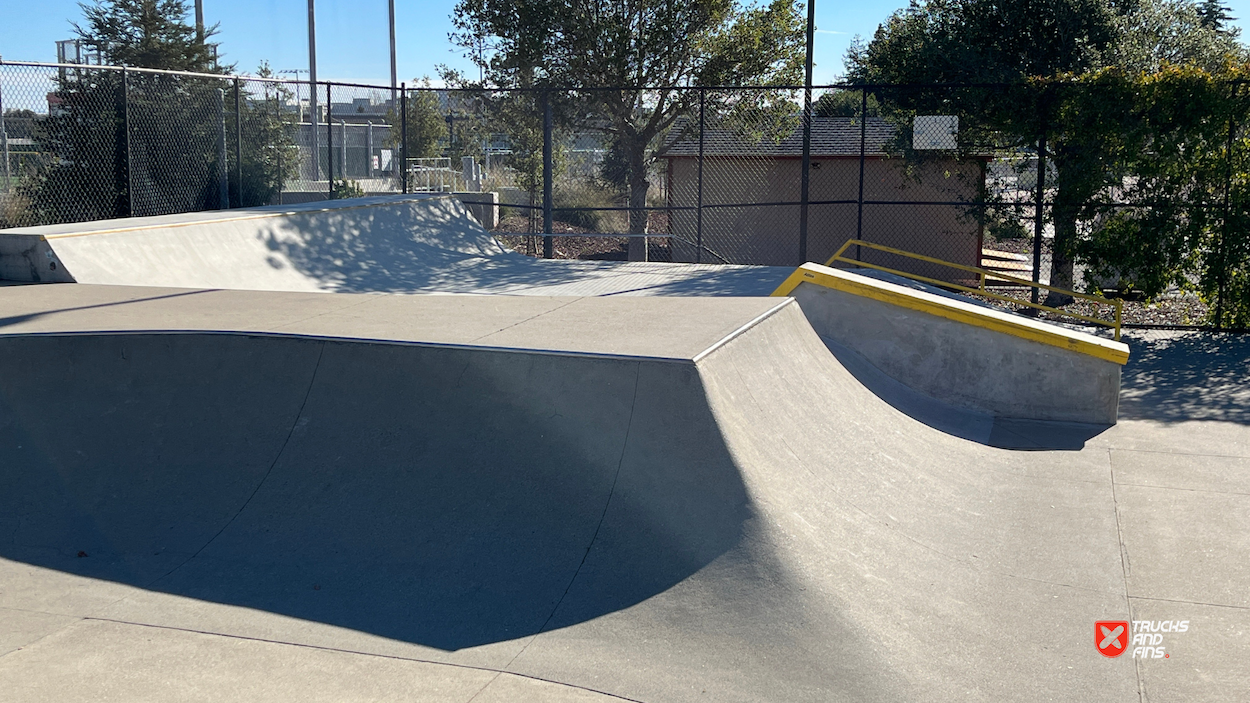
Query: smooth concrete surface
x=719, y=512
x=965, y=365
x=676, y=328
x=418, y=243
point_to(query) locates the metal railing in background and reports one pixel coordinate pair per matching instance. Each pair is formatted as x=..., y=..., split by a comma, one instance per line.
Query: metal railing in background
x=982, y=289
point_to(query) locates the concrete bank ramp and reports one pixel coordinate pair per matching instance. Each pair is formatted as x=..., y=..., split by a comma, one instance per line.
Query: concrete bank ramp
x=516, y=499
x=396, y=244
x=961, y=353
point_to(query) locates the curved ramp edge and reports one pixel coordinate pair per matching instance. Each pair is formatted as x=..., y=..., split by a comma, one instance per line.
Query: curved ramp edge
x=753, y=526
x=963, y=354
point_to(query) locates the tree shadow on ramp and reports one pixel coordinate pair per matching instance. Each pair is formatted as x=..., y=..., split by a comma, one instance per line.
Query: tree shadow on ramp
x=441, y=496
x=433, y=250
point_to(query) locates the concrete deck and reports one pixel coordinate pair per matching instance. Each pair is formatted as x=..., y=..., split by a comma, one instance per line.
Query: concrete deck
x=288, y=496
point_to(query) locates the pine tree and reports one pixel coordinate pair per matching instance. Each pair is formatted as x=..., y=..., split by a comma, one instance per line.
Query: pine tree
x=149, y=34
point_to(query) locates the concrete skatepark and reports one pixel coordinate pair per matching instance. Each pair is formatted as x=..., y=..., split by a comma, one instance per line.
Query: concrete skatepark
x=220, y=493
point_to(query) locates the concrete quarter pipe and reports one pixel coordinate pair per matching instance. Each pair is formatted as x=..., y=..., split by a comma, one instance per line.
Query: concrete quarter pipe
x=709, y=507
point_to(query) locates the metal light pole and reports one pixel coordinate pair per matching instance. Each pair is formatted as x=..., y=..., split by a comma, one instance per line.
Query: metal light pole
x=312, y=89
x=390, y=5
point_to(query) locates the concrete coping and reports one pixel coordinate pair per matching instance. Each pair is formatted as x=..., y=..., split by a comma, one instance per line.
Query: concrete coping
x=956, y=310
x=189, y=219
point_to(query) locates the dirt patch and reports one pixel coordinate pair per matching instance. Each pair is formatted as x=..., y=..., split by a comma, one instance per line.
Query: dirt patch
x=514, y=233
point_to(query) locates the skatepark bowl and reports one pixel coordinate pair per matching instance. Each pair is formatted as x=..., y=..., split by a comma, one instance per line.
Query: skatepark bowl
x=242, y=460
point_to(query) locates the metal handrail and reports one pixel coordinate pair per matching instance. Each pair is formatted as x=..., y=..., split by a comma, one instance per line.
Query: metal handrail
x=983, y=275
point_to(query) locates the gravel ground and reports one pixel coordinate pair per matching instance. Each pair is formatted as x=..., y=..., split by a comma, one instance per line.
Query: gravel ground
x=1171, y=308
x=513, y=232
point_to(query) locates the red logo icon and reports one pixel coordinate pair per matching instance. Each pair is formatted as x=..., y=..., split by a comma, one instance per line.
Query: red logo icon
x=1111, y=637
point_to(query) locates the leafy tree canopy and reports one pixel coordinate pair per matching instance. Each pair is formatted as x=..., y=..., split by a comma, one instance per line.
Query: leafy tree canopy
x=946, y=41
x=1159, y=32
x=634, y=46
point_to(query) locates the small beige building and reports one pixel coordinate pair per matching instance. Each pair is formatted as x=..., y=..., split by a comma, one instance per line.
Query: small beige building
x=751, y=189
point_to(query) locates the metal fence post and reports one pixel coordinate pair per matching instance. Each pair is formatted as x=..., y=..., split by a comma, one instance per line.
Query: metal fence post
x=238, y=143
x=403, y=137
x=223, y=166
x=330, y=139
x=124, y=181
x=547, y=177
x=277, y=113
x=343, y=148
x=4, y=141
x=369, y=149
x=806, y=166
x=863, y=146
x=698, y=212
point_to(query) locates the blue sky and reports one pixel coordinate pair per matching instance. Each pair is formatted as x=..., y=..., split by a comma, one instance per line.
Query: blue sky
x=352, y=40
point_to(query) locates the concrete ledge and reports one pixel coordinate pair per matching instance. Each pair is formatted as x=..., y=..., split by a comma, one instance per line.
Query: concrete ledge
x=484, y=207
x=964, y=354
x=960, y=311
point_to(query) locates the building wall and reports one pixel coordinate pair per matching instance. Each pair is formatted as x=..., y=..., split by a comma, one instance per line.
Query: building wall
x=769, y=234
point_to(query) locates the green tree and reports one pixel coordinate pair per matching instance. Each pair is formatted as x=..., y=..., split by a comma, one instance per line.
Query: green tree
x=134, y=143
x=1037, y=45
x=1176, y=141
x=148, y=34
x=426, y=126
x=631, y=47
x=1155, y=33
x=270, y=152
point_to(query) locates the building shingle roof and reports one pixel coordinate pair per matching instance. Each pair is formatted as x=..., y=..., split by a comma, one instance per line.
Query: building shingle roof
x=831, y=136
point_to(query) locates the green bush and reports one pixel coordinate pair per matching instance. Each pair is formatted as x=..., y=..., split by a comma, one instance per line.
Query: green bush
x=342, y=188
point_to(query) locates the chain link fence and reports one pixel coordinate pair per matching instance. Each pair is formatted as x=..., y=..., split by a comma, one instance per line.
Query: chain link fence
x=1085, y=186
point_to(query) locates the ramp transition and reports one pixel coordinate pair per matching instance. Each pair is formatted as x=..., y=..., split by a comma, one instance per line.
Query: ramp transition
x=422, y=243
x=964, y=354
x=683, y=502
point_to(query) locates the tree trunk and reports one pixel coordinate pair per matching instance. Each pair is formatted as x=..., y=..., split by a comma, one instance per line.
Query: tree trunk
x=638, y=186
x=1061, y=269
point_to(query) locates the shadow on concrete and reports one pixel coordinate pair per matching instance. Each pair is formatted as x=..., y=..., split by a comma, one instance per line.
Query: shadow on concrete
x=982, y=428
x=445, y=497
x=438, y=252
x=1178, y=376
x=18, y=319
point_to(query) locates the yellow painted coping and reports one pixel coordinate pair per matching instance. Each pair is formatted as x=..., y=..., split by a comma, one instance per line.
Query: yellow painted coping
x=956, y=310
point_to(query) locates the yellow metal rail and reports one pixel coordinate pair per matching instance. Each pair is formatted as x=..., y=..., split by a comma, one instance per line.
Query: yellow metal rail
x=982, y=276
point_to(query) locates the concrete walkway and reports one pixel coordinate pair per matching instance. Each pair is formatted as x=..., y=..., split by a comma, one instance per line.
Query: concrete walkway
x=229, y=495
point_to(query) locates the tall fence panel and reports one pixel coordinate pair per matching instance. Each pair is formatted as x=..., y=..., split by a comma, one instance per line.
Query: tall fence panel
x=1100, y=184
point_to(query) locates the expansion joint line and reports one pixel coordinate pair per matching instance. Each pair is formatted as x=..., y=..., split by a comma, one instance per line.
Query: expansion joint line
x=595, y=536
x=1124, y=567
x=312, y=382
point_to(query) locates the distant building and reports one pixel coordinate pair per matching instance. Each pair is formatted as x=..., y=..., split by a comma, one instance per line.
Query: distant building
x=758, y=173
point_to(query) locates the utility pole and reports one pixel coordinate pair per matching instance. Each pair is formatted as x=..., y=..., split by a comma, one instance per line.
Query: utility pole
x=199, y=19
x=312, y=89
